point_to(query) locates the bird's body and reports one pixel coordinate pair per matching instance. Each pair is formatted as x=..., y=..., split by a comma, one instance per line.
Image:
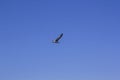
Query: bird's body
x=58, y=38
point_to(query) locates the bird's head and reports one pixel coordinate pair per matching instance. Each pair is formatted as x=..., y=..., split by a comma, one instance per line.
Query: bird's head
x=53, y=41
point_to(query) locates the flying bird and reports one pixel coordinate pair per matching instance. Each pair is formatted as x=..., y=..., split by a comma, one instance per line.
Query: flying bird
x=58, y=38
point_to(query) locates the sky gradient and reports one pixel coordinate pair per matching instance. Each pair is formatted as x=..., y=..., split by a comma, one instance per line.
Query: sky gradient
x=89, y=49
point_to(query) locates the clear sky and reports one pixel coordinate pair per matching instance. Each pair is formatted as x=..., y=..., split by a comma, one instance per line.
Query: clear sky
x=89, y=49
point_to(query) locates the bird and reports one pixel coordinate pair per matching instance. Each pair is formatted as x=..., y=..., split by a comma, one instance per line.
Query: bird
x=58, y=38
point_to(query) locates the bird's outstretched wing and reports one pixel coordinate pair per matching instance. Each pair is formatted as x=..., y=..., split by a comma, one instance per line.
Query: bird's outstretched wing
x=57, y=39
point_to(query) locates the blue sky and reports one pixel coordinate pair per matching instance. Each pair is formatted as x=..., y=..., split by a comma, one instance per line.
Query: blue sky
x=89, y=49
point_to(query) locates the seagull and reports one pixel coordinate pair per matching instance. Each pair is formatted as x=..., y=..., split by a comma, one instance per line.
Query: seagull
x=58, y=38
